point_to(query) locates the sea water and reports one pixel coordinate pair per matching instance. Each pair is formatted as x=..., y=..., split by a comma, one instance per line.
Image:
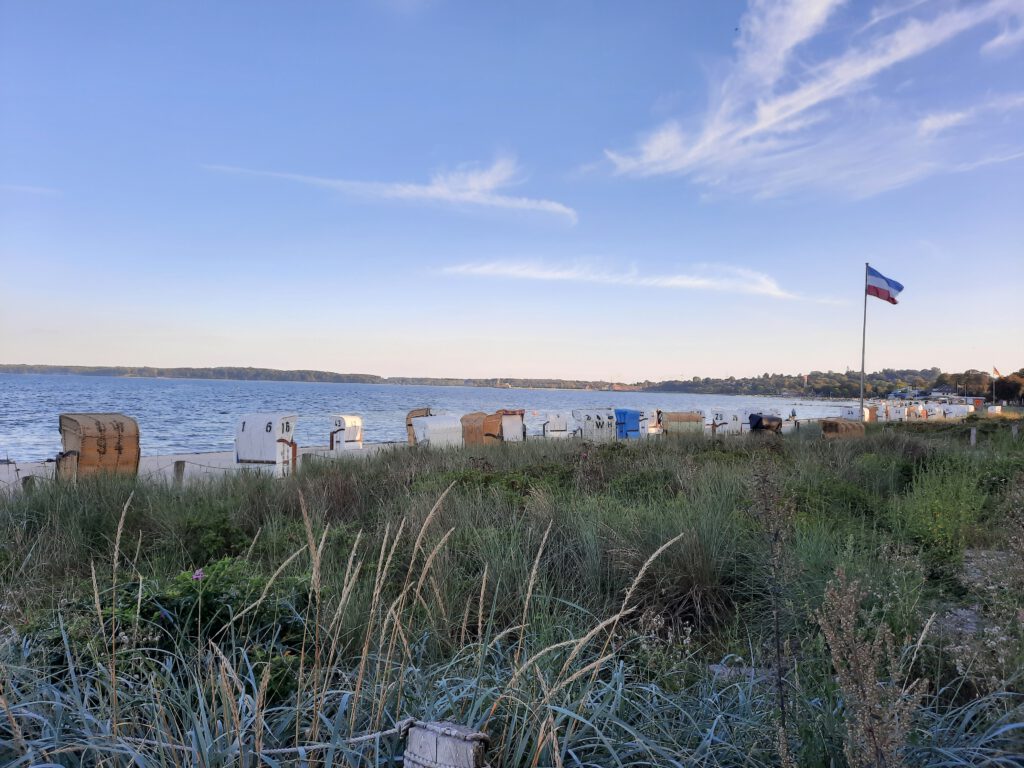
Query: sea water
x=193, y=415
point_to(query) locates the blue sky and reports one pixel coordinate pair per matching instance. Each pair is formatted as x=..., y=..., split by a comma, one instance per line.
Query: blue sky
x=611, y=190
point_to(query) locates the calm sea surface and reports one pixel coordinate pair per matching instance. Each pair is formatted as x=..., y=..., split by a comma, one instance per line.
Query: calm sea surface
x=191, y=415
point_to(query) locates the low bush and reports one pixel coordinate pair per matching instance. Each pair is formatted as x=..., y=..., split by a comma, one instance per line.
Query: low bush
x=940, y=510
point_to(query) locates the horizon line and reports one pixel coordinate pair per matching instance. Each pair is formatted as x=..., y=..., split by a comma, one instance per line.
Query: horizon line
x=112, y=369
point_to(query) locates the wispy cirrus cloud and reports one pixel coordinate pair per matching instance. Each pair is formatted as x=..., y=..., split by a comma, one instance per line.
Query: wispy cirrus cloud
x=937, y=122
x=884, y=12
x=721, y=278
x=469, y=185
x=787, y=117
x=1011, y=35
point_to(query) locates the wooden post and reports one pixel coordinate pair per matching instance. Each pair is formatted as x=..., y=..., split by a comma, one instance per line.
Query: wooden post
x=974, y=437
x=444, y=745
x=67, y=466
x=179, y=472
x=1014, y=430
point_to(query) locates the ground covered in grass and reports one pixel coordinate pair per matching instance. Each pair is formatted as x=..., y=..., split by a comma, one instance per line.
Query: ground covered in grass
x=739, y=601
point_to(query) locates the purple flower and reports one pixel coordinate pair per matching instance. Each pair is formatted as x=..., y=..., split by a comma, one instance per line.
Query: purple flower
x=198, y=574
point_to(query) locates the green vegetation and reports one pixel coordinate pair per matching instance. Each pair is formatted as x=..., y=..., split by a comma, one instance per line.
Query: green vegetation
x=739, y=602
x=324, y=377
x=816, y=383
x=847, y=385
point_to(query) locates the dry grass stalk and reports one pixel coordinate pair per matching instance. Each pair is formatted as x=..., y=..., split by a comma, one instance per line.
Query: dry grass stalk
x=879, y=713
x=624, y=610
x=19, y=740
x=352, y=569
x=548, y=729
x=261, y=698
x=464, y=624
x=775, y=512
x=384, y=560
x=393, y=618
x=252, y=544
x=227, y=696
x=267, y=587
x=480, y=604
x=430, y=561
x=394, y=612
x=117, y=538
x=423, y=530
x=113, y=611
x=583, y=641
x=529, y=592
x=316, y=558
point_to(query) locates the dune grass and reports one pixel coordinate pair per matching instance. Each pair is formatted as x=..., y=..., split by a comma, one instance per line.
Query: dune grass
x=675, y=602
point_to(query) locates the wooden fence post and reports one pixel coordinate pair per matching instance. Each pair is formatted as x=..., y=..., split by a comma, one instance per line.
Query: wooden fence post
x=974, y=437
x=444, y=745
x=66, y=468
x=179, y=472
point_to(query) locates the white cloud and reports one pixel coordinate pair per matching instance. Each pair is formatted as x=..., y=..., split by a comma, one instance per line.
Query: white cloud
x=773, y=29
x=883, y=13
x=781, y=108
x=724, y=279
x=936, y=123
x=468, y=185
x=941, y=121
x=1008, y=38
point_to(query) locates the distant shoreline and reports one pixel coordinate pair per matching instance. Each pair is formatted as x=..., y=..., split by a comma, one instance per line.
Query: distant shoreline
x=474, y=386
x=816, y=385
x=305, y=376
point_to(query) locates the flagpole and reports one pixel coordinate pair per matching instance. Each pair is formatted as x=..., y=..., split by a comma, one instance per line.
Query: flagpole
x=863, y=341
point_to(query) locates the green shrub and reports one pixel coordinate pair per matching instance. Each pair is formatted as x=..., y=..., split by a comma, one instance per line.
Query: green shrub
x=210, y=534
x=882, y=473
x=940, y=510
x=219, y=603
x=645, y=484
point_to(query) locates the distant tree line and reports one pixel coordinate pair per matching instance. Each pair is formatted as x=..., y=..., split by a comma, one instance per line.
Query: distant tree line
x=847, y=385
x=272, y=374
x=1009, y=387
x=815, y=383
x=219, y=372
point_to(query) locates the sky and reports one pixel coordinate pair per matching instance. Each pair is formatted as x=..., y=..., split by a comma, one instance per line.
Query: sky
x=615, y=191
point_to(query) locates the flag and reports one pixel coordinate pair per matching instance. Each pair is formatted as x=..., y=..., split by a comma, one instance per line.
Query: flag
x=880, y=286
x=996, y=372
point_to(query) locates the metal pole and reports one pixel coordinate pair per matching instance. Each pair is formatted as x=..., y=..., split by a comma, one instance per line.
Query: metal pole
x=863, y=341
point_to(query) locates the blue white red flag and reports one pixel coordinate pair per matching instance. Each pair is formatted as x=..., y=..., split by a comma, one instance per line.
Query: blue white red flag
x=880, y=286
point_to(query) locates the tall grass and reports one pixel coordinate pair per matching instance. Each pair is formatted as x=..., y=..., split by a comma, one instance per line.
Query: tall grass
x=584, y=605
